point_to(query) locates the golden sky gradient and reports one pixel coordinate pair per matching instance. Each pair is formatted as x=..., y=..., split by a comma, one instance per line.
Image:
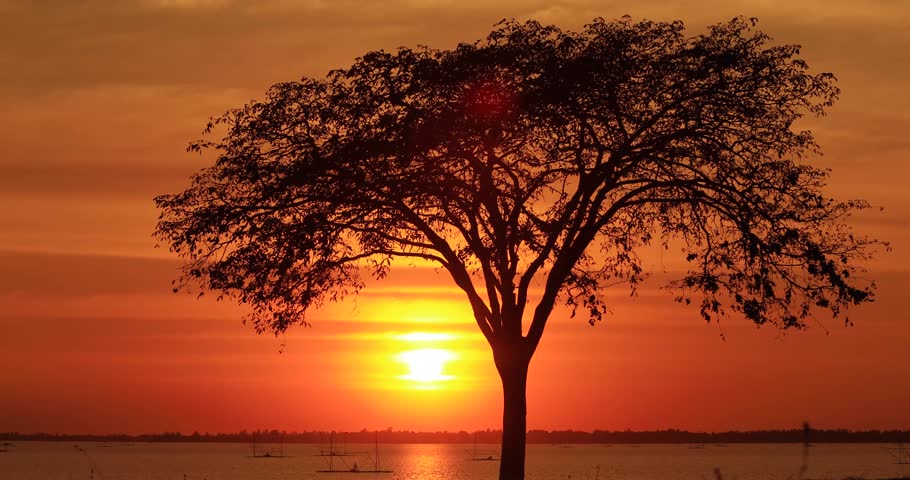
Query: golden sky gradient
x=99, y=99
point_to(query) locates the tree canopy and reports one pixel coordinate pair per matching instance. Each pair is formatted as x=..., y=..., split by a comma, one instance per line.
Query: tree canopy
x=533, y=155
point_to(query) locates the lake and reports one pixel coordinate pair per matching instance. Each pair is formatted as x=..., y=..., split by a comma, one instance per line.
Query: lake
x=225, y=461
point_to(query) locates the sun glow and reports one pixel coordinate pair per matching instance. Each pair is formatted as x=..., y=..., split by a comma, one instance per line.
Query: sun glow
x=432, y=360
x=426, y=365
x=425, y=337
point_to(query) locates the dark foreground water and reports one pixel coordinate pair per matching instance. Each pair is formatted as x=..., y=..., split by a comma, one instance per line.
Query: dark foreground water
x=198, y=461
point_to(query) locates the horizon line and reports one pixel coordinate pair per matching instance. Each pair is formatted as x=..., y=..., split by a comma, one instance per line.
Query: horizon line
x=596, y=431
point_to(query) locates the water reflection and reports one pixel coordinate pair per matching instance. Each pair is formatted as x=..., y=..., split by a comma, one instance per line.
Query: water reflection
x=198, y=461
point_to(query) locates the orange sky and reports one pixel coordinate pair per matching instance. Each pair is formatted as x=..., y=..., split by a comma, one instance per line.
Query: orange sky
x=100, y=98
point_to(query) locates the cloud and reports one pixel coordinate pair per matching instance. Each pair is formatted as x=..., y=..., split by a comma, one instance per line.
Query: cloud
x=84, y=181
x=189, y=3
x=56, y=274
x=230, y=43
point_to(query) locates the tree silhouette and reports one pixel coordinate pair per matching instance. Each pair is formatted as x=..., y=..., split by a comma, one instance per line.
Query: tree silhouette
x=536, y=157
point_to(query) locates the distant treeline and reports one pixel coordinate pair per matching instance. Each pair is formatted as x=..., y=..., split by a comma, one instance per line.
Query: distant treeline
x=490, y=436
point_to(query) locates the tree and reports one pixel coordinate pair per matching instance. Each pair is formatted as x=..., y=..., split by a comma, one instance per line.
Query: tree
x=534, y=157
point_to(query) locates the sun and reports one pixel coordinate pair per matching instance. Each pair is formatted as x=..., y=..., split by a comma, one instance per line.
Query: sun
x=425, y=358
x=426, y=365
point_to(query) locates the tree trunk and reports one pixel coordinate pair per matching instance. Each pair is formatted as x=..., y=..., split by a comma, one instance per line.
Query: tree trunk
x=514, y=374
